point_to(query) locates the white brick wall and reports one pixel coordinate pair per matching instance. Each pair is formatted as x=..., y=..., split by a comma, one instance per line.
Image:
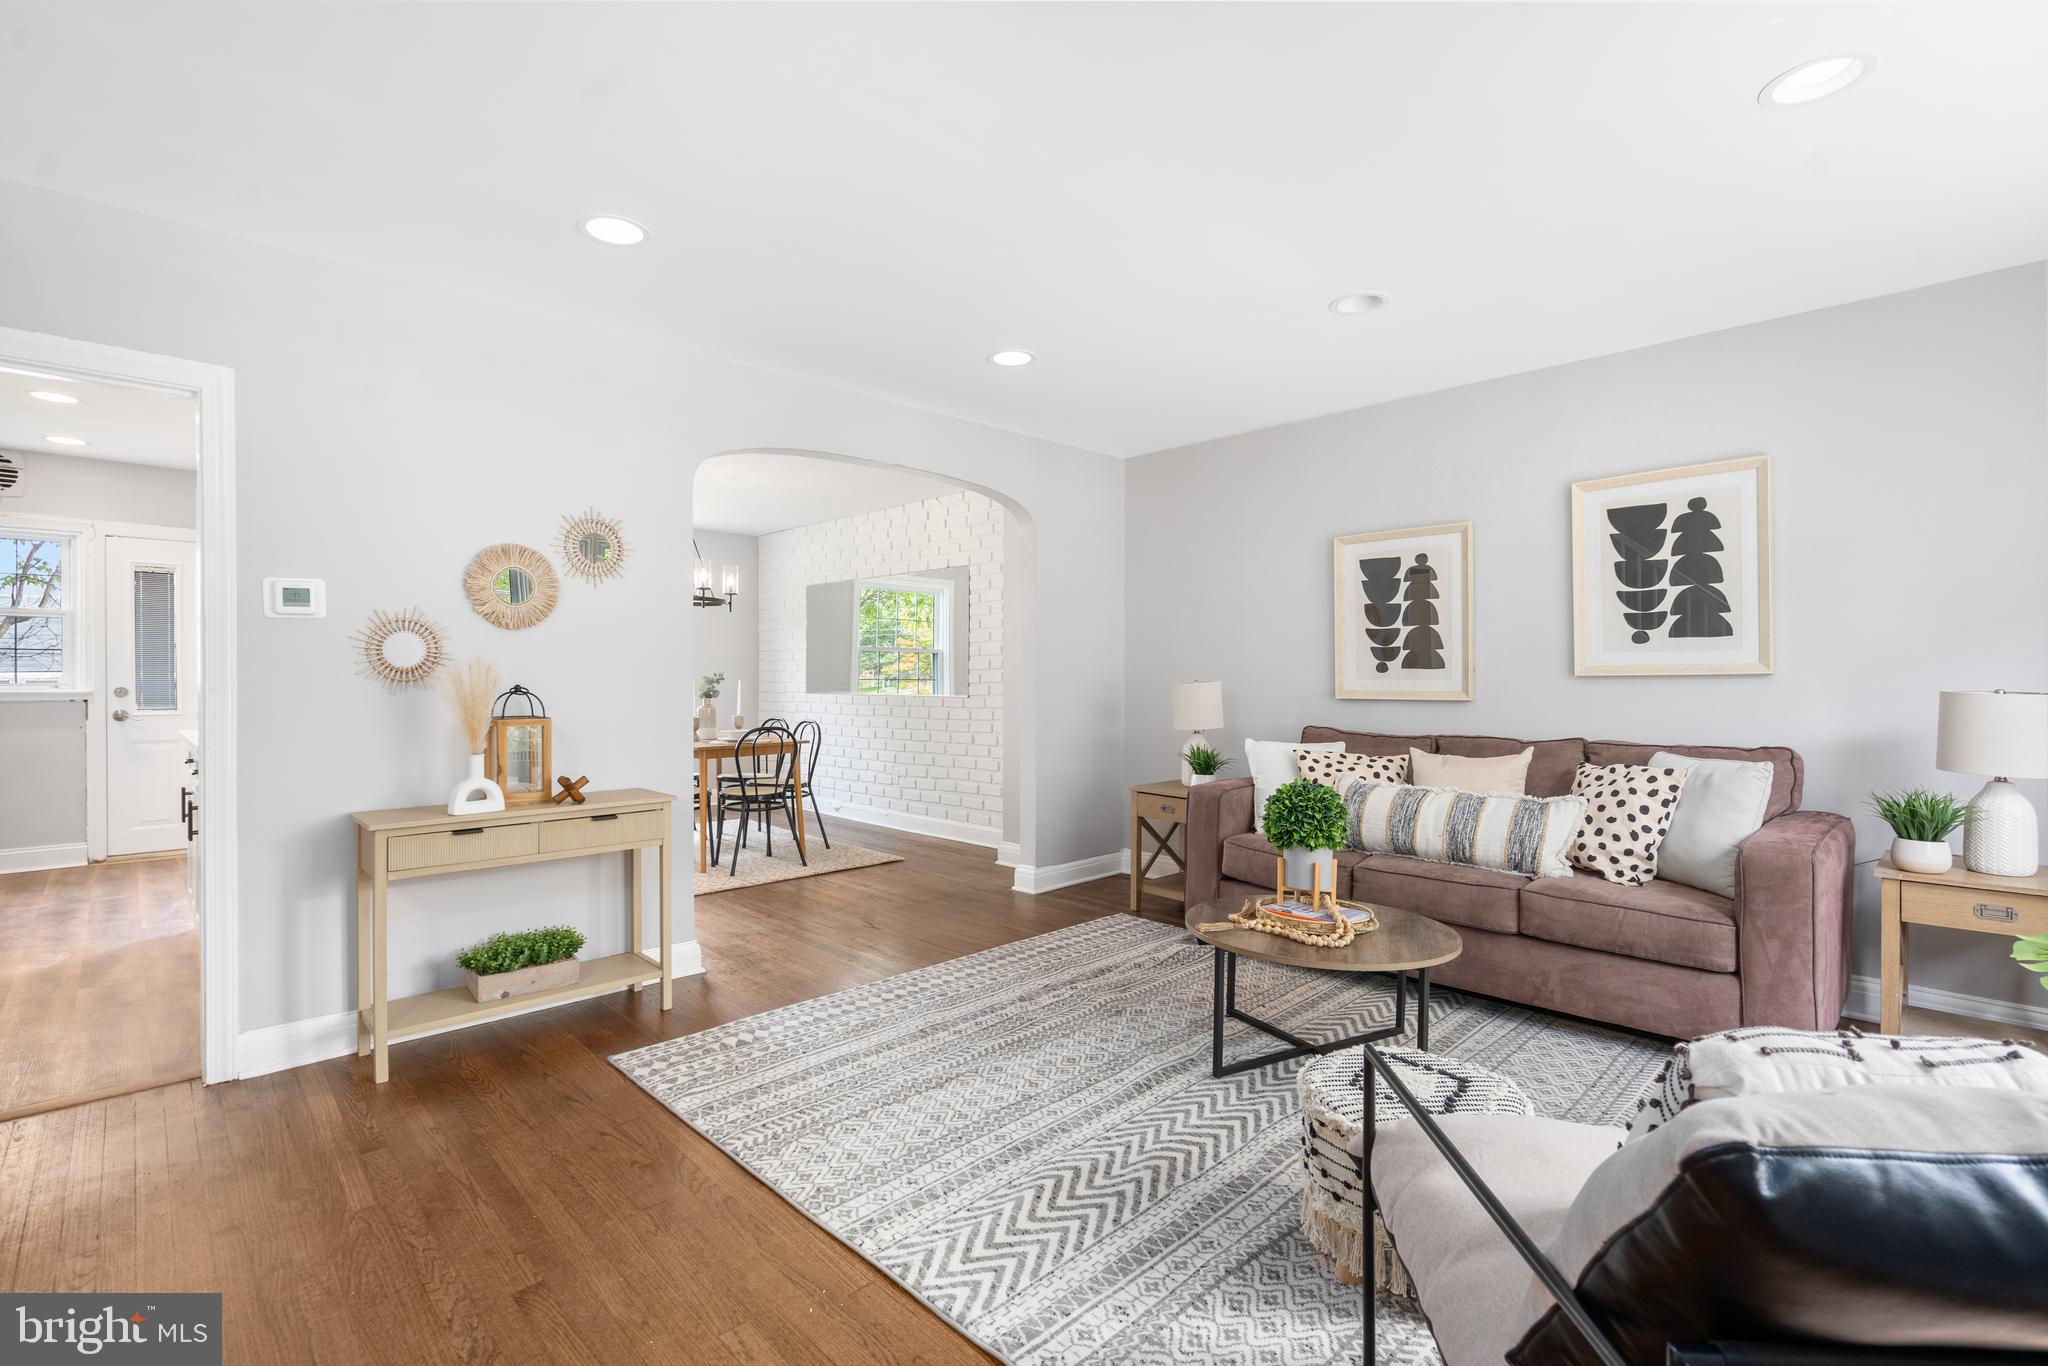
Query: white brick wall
x=935, y=757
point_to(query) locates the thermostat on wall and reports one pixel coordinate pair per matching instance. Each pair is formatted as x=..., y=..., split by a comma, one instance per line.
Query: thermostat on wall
x=294, y=598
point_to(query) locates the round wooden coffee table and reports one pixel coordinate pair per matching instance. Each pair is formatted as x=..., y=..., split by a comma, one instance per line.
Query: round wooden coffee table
x=1404, y=942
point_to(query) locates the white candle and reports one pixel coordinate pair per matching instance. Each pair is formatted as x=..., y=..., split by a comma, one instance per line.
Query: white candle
x=739, y=699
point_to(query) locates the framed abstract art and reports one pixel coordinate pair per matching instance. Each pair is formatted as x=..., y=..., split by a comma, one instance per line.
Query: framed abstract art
x=1671, y=571
x=1404, y=614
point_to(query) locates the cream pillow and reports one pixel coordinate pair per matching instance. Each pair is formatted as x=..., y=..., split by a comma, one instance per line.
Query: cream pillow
x=1723, y=804
x=1505, y=775
x=1272, y=766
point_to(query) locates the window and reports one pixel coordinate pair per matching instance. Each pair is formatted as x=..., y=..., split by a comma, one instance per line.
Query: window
x=899, y=645
x=38, y=624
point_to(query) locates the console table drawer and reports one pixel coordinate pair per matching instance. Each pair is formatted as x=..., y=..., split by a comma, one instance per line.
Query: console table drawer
x=1975, y=908
x=474, y=844
x=1160, y=808
x=595, y=832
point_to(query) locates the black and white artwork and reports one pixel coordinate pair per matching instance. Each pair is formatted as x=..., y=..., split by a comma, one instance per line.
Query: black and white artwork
x=1672, y=571
x=1404, y=614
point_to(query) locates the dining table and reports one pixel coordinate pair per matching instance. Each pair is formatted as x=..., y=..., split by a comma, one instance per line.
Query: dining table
x=710, y=757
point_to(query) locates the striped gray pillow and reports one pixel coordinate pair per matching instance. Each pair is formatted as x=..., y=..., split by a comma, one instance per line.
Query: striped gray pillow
x=1526, y=835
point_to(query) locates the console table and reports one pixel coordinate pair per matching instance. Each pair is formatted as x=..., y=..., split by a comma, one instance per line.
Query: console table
x=425, y=841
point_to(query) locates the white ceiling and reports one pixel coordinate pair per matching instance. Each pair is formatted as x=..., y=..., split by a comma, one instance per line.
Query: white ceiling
x=754, y=493
x=1157, y=199
x=116, y=421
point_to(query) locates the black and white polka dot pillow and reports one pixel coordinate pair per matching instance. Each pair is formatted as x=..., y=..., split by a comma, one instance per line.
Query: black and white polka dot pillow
x=1330, y=766
x=1628, y=811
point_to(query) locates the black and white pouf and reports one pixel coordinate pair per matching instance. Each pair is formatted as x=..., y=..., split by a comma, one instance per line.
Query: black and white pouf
x=1332, y=1116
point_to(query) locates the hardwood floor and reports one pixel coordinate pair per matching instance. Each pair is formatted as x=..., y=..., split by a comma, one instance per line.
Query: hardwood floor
x=509, y=1196
x=99, y=987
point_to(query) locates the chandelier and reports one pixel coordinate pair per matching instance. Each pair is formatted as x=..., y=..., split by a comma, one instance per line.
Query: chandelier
x=729, y=581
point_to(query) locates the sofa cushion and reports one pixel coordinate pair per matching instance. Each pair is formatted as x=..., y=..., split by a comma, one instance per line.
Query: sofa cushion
x=1250, y=858
x=1505, y=775
x=1466, y=1275
x=1551, y=768
x=1367, y=742
x=1661, y=921
x=1788, y=771
x=1451, y=892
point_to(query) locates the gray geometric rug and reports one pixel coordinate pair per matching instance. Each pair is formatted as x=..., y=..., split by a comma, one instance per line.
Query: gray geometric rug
x=1028, y=1139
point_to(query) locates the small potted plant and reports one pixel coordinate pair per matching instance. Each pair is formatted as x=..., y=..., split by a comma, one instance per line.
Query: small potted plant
x=515, y=964
x=1204, y=764
x=1305, y=821
x=1921, y=823
x=707, y=704
x=2031, y=953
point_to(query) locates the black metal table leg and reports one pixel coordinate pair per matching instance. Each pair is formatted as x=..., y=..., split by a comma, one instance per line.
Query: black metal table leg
x=1422, y=1011
x=1224, y=1007
x=1216, y=1034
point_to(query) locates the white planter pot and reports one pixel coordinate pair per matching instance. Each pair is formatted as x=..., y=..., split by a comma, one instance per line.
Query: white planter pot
x=1922, y=856
x=1300, y=864
x=1197, y=779
x=475, y=793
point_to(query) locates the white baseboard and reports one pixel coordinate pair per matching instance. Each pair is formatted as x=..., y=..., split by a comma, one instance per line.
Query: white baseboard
x=35, y=858
x=261, y=1051
x=958, y=831
x=1862, y=1005
x=1009, y=855
x=1052, y=876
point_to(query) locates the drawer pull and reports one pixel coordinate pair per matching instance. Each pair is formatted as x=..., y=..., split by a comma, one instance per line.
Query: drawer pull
x=471, y=830
x=1984, y=910
x=612, y=817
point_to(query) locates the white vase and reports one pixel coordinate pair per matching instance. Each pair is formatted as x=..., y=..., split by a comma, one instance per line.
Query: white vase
x=1922, y=856
x=1197, y=779
x=476, y=792
x=1300, y=864
x=707, y=719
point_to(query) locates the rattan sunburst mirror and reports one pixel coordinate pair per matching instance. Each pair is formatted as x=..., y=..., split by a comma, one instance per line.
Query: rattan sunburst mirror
x=512, y=586
x=398, y=649
x=593, y=547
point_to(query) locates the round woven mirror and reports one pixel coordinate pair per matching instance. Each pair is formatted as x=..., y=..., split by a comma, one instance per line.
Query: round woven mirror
x=512, y=586
x=399, y=649
x=593, y=547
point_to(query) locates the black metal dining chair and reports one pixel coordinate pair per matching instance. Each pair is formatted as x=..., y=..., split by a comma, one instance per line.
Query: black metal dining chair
x=811, y=738
x=764, y=760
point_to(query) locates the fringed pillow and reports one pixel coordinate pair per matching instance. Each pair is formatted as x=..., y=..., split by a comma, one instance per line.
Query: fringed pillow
x=1628, y=811
x=1526, y=835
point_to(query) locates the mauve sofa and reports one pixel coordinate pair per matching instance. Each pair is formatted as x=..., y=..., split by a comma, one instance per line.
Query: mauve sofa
x=1664, y=958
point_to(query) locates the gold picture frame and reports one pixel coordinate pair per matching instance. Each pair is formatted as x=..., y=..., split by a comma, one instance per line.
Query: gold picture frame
x=593, y=546
x=1671, y=571
x=1397, y=635
x=511, y=586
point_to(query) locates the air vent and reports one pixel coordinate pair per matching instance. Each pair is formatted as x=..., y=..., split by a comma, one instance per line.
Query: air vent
x=10, y=477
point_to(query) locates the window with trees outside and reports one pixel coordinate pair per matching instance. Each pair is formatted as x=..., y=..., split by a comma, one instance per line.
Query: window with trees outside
x=37, y=618
x=899, y=647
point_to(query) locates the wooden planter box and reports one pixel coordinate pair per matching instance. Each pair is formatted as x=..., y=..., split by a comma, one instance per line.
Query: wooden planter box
x=546, y=977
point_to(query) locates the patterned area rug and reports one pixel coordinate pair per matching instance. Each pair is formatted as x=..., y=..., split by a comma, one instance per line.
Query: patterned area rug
x=1028, y=1139
x=757, y=868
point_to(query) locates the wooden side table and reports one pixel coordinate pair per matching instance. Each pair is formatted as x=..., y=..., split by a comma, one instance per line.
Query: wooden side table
x=1956, y=900
x=1150, y=802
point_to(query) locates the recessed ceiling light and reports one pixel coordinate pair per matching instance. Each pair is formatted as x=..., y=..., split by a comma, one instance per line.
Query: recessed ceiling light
x=64, y=440
x=49, y=397
x=613, y=231
x=1816, y=80
x=1011, y=357
x=1357, y=303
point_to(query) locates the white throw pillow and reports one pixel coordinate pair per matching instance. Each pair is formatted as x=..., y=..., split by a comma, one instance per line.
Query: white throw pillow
x=1505, y=775
x=1722, y=805
x=1272, y=766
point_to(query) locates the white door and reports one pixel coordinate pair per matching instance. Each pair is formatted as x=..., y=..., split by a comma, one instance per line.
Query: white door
x=152, y=689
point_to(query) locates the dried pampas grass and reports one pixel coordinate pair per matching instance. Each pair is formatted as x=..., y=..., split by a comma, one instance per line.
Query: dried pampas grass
x=470, y=688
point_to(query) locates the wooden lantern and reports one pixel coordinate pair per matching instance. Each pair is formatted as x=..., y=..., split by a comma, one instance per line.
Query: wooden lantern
x=521, y=755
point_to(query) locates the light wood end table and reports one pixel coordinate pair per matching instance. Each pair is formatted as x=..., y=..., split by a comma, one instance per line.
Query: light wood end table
x=1957, y=900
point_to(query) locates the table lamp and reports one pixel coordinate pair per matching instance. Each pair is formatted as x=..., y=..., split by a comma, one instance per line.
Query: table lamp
x=1196, y=707
x=2003, y=734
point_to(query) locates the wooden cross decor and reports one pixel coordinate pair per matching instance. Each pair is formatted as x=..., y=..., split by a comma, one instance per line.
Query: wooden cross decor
x=571, y=791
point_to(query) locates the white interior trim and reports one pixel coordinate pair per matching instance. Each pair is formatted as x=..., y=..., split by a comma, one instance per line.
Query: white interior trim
x=213, y=388
x=960, y=832
x=1052, y=877
x=1862, y=1004
x=36, y=857
x=300, y=1042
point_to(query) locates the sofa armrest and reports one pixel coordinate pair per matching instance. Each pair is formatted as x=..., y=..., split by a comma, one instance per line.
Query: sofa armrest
x=1794, y=887
x=1216, y=811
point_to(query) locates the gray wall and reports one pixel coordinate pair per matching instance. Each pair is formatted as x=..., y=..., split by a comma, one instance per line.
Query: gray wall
x=1906, y=437
x=386, y=431
x=48, y=738
x=730, y=640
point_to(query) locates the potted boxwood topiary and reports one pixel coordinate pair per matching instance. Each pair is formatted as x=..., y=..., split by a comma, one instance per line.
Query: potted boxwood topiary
x=1921, y=823
x=1204, y=764
x=1305, y=821
x=515, y=964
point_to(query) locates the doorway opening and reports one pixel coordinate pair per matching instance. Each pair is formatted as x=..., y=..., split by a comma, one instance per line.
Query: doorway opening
x=103, y=707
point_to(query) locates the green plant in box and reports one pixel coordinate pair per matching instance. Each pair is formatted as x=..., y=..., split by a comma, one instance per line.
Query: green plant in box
x=1204, y=761
x=1305, y=815
x=525, y=949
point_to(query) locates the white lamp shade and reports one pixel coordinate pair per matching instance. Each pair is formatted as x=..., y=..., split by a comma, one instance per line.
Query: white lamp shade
x=2001, y=734
x=1197, y=706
